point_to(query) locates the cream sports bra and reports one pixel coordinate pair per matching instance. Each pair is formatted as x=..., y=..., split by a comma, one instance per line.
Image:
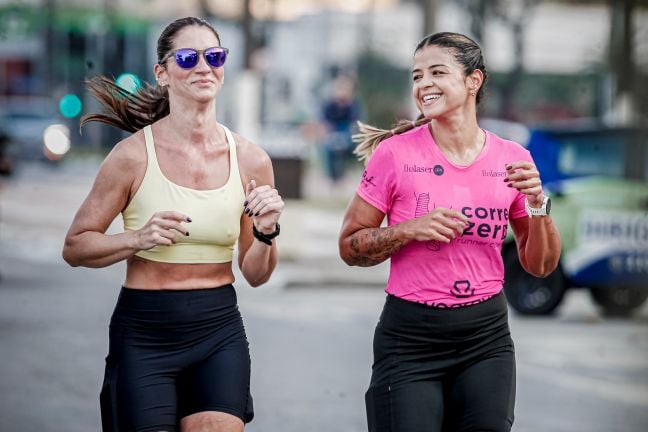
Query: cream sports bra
x=215, y=213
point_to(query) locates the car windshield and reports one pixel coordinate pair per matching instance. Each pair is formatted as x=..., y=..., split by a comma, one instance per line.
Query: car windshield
x=592, y=154
x=27, y=116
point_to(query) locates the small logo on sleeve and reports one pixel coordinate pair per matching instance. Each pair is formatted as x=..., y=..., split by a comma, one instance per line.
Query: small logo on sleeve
x=438, y=170
x=367, y=180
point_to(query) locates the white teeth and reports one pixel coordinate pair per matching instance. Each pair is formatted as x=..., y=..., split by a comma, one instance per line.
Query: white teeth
x=428, y=98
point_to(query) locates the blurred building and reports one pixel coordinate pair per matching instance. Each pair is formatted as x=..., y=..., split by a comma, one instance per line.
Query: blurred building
x=47, y=47
x=563, y=59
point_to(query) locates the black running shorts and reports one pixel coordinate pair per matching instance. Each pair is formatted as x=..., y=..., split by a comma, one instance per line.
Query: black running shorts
x=442, y=369
x=174, y=353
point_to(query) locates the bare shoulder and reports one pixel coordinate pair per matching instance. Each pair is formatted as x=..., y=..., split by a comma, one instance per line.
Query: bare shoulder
x=125, y=165
x=128, y=153
x=254, y=162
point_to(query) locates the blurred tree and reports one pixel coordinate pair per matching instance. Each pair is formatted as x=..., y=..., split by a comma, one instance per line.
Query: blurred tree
x=384, y=103
x=514, y=14
x=477, y=10
x=248, y=36
x=50, y=46
x=430, y=13
x=631, y=98
x=546, y=97
x=630, y=102
x=247, y=23
x=629, y=105
x=205, y=10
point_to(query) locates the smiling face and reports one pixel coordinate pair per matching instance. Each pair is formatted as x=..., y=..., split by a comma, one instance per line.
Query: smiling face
x=201, y=83
x=439, y=83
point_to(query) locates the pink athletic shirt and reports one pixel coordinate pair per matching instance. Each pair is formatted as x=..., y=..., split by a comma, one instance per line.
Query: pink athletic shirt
x=408, y=176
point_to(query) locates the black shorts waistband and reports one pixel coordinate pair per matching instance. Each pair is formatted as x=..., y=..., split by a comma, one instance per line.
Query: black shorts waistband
x=492, y=310
x=174, y=307
x=164, y=298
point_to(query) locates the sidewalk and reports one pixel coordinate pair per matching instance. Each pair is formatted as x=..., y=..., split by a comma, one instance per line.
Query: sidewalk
x=38, y=204
x=309, y=250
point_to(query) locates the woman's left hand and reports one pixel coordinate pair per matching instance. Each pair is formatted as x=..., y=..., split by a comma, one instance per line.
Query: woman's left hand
x=524, y=176
x=264, y=205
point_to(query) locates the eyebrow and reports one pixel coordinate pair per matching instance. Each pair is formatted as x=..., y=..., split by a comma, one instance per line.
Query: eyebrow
x=430, y=67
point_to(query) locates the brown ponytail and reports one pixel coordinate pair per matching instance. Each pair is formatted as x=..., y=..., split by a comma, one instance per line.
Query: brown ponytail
x=369, y=137
x=125, y=110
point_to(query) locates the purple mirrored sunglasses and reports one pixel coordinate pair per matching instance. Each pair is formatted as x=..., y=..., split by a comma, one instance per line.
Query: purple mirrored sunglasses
x=187, y=58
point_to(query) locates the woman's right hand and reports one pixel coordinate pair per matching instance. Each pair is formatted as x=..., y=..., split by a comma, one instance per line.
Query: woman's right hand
x=441, y=224
x=161, y=229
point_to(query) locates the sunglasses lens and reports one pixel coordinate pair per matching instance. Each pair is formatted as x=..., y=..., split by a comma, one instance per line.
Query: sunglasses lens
x=186, y=58
x=216, y=56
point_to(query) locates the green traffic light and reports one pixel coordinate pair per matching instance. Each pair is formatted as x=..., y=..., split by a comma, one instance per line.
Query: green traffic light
x=129, y=82
x=70, y=105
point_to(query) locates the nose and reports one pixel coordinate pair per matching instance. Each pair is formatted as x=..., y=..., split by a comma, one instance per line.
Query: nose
x=202, y=65
x=426, y=81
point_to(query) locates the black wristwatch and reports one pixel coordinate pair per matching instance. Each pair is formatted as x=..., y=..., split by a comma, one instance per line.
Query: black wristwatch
x=266, y=238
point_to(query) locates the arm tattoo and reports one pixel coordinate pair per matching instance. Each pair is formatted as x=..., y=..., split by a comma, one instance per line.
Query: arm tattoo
x=371, y=246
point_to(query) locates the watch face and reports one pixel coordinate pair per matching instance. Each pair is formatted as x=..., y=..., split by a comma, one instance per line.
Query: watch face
x=548, y=207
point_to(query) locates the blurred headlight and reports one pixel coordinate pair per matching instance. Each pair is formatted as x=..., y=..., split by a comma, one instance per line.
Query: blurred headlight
x=57, y=141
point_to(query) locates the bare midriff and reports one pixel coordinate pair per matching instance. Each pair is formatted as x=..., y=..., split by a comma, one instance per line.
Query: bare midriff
x=152, y=275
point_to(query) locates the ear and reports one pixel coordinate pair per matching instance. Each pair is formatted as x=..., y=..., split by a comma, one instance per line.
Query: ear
x=475, y=80
x=160, y=73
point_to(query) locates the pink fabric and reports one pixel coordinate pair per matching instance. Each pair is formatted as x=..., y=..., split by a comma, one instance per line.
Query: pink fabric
x=407, y=177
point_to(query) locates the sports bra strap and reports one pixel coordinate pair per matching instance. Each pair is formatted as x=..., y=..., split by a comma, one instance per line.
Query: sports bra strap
x=150, y=146
x=234, y=170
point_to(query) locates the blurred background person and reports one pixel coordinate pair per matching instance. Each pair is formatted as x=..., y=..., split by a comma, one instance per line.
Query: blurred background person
x=6, y=160
x=6, y=166
x=339, y=113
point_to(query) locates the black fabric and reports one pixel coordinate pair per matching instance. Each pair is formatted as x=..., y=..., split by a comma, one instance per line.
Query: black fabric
x=174, y=353
x=442, y=369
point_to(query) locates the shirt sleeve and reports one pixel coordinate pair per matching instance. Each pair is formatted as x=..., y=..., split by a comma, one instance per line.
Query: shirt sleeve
x=518, y=209
x=379, y=180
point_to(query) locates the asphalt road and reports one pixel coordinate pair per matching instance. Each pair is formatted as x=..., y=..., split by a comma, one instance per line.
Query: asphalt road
x=311, y=343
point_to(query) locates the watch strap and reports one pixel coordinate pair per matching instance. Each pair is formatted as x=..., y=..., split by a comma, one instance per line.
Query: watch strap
x=266, y=238
x=540, y=211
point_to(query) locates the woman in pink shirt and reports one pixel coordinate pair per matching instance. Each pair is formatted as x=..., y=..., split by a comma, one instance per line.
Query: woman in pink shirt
x=443, y=354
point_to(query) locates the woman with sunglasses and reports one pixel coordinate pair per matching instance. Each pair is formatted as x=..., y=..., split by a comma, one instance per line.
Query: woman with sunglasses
x=443, y=354
x=188, y=190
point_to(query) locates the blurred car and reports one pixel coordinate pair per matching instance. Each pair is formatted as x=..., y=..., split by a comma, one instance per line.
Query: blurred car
x=25, y=122
x=597, y=179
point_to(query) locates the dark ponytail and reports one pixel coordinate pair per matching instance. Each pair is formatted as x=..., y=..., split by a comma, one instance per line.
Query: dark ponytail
x=132, y=111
